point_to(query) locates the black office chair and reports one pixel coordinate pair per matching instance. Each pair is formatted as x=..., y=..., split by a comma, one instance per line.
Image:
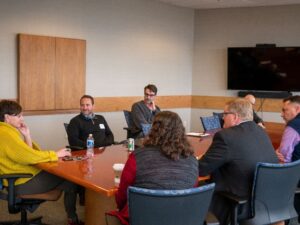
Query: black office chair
x=273, y=194
x=165, y=207
x=66, y=126
x=210, y=122
x=74, y=148
x=23, y=203
x=129, y=121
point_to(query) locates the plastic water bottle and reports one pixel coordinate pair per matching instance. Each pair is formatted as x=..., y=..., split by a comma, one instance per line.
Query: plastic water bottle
x=90, y=146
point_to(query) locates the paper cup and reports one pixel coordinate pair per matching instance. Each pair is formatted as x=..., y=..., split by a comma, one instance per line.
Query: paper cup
x=118, y=168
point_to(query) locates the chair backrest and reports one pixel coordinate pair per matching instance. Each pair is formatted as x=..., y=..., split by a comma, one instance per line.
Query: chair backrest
x=66, y=126
x=146, y=128
x=1, y=183
x=210, y=122
x=220, y=116
x=165, y=207
x=273, y=192
x=128, y=118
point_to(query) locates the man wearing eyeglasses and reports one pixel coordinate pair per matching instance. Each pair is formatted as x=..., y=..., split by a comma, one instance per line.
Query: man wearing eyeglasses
x=231, y=159
x=143, y=111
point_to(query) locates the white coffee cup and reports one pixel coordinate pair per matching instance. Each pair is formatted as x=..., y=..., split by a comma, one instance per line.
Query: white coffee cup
x=118, y=168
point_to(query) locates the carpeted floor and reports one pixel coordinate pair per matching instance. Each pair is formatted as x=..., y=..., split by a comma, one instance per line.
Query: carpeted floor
x=53, y=212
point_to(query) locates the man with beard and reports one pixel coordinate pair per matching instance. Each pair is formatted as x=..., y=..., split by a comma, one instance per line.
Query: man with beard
x=144, y=110
x=87, y=122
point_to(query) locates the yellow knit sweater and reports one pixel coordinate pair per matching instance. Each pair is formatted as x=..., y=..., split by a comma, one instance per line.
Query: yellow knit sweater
x=17, y=157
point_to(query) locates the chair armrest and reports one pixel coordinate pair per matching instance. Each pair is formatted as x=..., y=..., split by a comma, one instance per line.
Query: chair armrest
x=11, y=198
x=211, y=219
x=297, y=190
x=15, y=175
x=233, y=198
x=12, y=177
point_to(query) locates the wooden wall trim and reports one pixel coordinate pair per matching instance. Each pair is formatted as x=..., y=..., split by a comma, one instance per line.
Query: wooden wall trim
x=209, y=102
x=218, y=102
x=115, y=104
x=112, y=104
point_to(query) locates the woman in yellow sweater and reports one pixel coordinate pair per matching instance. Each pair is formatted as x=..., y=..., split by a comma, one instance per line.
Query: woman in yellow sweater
x=19, y=153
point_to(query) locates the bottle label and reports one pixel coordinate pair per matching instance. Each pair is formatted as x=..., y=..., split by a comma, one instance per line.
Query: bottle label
x=130, y=144
x=90, y=144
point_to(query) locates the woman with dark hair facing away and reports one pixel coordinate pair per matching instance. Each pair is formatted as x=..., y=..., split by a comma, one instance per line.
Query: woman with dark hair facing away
x=19, y=154
x=166, y=161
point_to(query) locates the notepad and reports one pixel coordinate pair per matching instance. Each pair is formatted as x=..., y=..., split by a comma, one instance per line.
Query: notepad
x=197, y=134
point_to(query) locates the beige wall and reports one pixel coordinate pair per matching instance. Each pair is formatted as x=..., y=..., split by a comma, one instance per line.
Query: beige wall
x=134, y=42
x=129, y=43
x=216, y=30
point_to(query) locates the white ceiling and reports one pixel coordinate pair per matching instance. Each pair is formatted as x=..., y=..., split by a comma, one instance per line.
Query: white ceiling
x=212, y=4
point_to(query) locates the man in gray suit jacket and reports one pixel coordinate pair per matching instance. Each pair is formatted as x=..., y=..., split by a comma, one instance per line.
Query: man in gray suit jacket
x=233, y=154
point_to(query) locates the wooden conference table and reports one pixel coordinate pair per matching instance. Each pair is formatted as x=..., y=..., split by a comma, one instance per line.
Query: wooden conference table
x=97, y=176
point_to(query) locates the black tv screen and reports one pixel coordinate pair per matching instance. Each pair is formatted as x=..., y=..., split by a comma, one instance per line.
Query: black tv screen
x=264, y=69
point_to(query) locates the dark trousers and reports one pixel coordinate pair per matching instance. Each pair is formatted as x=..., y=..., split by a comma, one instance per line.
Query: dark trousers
x=44, y=182
x=221, y=208
x=297, y=203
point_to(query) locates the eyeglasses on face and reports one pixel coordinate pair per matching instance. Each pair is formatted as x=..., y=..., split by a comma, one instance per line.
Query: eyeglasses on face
x=227, y=113
x=149, y=95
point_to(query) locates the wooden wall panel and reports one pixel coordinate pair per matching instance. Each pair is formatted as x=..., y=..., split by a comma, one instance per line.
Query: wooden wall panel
x=70, y=72
x=112, y=104
x=174, y=101
x=36, y=72
x=269, y=105
x=115, y=104
x=210, y=102
x=218, y=102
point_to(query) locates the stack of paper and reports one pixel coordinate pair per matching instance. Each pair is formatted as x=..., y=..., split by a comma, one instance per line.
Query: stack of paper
x=197, y=134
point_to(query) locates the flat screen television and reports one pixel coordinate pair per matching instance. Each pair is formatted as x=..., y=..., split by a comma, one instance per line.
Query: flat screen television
x=264, y=68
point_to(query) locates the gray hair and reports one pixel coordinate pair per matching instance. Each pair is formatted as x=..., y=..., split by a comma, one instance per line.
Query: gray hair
x=242, y=108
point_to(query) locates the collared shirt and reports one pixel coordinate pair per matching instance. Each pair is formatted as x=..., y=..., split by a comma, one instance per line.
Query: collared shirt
x=290, y=139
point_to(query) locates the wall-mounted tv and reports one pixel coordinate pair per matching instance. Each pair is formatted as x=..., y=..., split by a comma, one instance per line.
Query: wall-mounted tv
x=264, y=68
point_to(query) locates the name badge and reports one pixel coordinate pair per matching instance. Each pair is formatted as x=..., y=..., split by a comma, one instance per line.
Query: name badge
x=101, y=125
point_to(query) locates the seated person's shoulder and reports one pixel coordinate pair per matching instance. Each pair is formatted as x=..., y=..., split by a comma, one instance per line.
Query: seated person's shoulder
x=75, y=119
x=136, y=105
x=100, y=120
x=226, y=132
x=146, y=150
x=99, y=117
